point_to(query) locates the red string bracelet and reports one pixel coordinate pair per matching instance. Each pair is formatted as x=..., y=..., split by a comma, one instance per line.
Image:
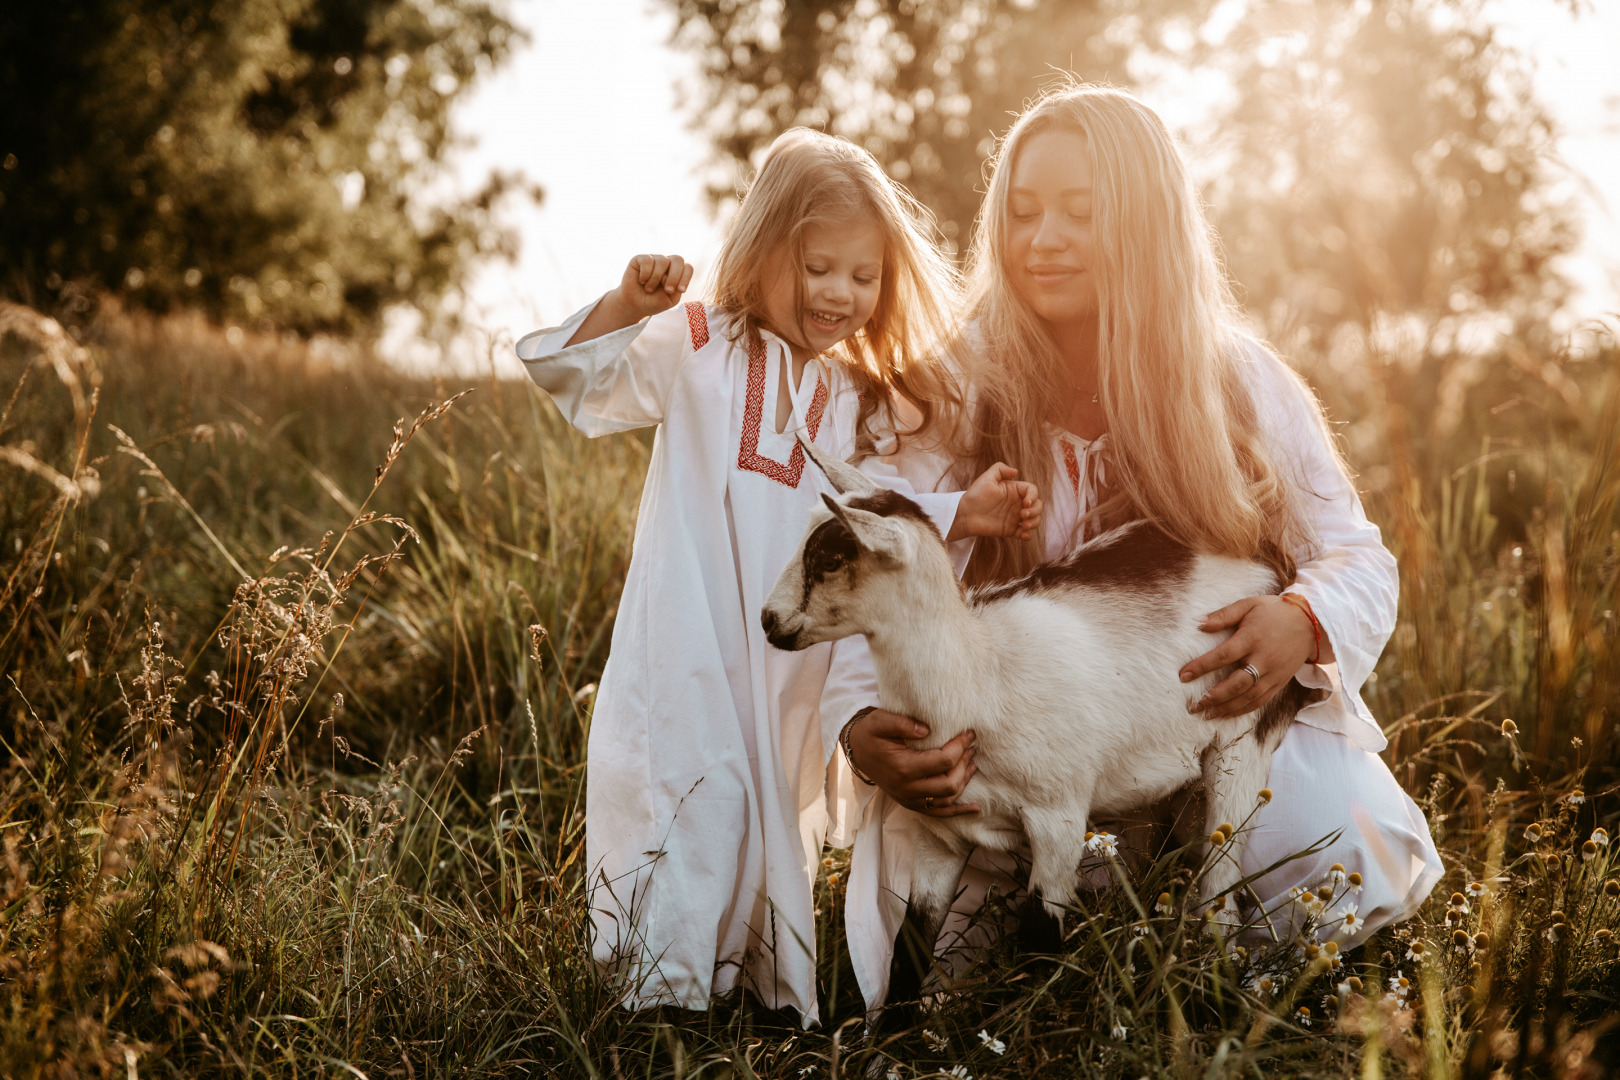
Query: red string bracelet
x=1316, y=627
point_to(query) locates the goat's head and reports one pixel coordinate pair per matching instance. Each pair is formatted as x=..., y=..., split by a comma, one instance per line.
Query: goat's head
x=852, y=563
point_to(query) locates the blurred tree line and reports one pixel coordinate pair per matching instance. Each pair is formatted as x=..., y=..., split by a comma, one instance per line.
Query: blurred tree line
x=1367, y=162
x=267, y=161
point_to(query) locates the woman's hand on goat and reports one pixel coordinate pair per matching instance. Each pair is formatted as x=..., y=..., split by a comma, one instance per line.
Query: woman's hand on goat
x=927, y=781
x=1273, y=637
x=997, y=503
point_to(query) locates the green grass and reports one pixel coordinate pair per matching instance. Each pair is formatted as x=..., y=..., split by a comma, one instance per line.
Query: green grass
x=291, y=789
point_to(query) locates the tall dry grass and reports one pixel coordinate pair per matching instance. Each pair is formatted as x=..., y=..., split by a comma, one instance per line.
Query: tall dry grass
x=298, y=656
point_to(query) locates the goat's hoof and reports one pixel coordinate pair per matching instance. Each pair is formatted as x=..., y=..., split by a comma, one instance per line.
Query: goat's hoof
x=1039, y=932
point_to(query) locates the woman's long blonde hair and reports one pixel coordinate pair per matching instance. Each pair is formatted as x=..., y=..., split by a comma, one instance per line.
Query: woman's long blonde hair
x=1186, y=450
x=895, y=360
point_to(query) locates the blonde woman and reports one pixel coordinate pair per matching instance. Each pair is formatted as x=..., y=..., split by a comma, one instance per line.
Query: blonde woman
x=704, y=808
x=1110, y=372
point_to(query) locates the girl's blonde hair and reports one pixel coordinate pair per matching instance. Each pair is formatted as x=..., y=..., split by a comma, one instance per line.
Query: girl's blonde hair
x=1187, y=453
x=895, y=360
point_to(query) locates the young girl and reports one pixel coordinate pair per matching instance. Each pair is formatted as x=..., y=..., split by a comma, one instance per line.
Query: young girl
x=705, y=807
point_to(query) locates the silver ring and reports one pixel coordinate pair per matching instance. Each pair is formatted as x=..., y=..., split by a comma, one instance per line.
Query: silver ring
x=1253, y=674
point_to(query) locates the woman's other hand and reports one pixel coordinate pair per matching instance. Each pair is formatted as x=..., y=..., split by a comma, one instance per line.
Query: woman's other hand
x=927, y=781
x=1273, y=636
x=997, y=503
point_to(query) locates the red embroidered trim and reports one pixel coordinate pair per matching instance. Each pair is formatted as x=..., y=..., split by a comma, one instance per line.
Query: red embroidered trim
x=698, y=322
x=748, y=455
x=1072, y=463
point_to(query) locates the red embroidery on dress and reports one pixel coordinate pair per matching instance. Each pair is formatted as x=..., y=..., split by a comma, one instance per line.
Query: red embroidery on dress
x=1071, y=463
x=748, y=455
x=698, y=322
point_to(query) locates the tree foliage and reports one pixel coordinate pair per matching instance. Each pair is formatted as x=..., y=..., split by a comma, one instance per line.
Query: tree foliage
x=1386, y=160
x=265, y=160
x=1364, y=158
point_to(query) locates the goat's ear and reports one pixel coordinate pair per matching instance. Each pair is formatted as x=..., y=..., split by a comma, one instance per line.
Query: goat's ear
x=872, y=532
x=838, y=512
x=846, y=478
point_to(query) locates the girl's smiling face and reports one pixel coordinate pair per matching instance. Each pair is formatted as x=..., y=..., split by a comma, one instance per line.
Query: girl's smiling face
x=843, y=277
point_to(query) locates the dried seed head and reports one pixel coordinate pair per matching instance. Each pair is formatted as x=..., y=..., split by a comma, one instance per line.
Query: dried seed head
x=1509, y=728
x=1461, y=939
x=1265, y=795
x=1482, y=941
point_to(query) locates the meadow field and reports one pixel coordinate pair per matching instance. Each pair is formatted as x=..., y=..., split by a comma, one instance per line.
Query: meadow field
x=298, y=657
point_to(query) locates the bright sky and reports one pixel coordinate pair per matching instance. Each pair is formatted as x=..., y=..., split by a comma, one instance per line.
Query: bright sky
x=588, y=110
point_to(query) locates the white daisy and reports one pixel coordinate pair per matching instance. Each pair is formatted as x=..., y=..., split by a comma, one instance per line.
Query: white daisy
x=1103, y=844
x=991, y=1043
x=1600, y=837
x=1118, y=1032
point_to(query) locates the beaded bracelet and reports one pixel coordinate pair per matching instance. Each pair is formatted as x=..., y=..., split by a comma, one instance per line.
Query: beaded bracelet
x=1316, y=627
x=849, y=756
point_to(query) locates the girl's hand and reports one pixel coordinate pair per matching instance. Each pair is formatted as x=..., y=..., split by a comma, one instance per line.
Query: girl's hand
x=998, y=504
x=651, y=283
x=927, y=781
x=1273, y=636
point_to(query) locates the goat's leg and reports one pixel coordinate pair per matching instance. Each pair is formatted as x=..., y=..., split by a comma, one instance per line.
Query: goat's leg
x=1056, y=844
x=1234, y=774
x=936, y=870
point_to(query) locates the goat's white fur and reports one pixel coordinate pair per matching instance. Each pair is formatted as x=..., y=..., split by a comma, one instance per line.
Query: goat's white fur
x=1073, y=692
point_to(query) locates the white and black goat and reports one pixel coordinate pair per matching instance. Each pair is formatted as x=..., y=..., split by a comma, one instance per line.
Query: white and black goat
x=1069, y=677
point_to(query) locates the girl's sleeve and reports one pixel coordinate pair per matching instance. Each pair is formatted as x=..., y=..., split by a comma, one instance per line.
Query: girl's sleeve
x=1347, y=574
x=615, y=382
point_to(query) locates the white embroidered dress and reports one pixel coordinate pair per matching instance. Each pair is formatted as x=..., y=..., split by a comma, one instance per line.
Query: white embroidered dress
x=1326, y=776
x=705, y=785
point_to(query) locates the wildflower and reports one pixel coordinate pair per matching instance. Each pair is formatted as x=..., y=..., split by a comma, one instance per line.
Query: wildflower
x=1165, y=906
x=1417, y=952
x=1532, y=832
x=1575, y=798
x=936, y=1042
x=1139, y=929
x=1600, y=837
x=1314, y=905
x=1103, y=844
x=1349, y=924
x=1556, y=932
x=1336, y=876
x=1118, y=1032
x=808, y=1070
x=1261, y=985
x=1557, y=915
x=1265, y=796
x=1355, y=883
x=1303, y=1016
x=1461, y=943
x=1227, y=828
x=832, y=879
x=1509, y=728
x=1604, y=936
x=1554, y=863
x=1325, y=894
x=1589, y=851
x=991, y=1043
x=1352, y=985
x=1458, y=903
x=1482, y=941
x=827, y=863
x=1312, y=951
x=1475, y=889
x=1296, y=893
x=1400, y=986
x=1453, y=919
x=1611, y=888
x=959, y=1072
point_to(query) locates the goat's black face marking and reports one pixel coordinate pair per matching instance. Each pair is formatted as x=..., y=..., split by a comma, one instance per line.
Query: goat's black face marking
x=828, y=549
